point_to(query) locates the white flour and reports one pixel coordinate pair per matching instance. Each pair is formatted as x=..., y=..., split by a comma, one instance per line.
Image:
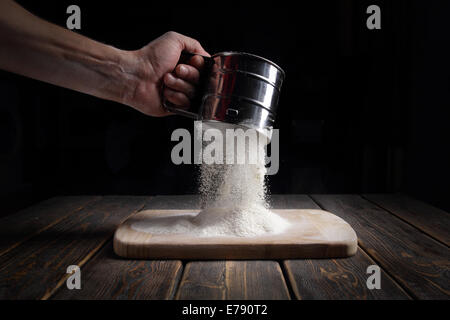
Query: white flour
x=233, y=199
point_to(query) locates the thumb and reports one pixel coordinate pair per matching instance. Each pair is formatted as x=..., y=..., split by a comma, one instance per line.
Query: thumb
x=191, y=45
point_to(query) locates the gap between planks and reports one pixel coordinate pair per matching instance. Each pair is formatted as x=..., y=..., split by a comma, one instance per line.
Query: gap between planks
x=287, y=280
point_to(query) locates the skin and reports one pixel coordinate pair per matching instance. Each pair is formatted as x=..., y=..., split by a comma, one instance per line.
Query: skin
x=38, y=49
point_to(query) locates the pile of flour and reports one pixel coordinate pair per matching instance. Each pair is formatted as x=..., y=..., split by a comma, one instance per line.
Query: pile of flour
x=233, y=201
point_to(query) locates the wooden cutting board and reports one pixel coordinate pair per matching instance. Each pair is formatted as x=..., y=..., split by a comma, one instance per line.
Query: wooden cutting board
x=312, y=234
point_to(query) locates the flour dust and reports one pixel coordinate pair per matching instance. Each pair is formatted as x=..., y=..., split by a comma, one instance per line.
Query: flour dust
x=233, y=193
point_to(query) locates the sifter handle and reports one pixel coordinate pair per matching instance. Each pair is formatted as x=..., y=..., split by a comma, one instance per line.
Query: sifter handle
x=185, y=56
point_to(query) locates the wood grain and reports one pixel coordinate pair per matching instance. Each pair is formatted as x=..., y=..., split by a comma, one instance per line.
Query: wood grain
x=233, y=280
x=292, y=201
x=108, y=277
x=431, y=220
x=310, y=234
x=339, y=279
x=34, y=265
x=419, y=263
x=174, y=202
x=37, y=267
x=22, y=225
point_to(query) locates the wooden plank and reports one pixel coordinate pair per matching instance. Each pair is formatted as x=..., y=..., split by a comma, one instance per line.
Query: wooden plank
x=37, y=267
x=108, y=277
x=174, y=202
x=339, y=279
x=431, y=220
x=233, y=280
x=292, y=201
x=419, y=263
x=310, y=233
x=20, y=226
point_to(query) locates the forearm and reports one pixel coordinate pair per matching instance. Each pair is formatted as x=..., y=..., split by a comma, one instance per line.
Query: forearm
x=35, y=48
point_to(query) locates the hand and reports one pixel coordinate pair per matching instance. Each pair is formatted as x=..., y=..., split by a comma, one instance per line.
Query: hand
x=155, y=64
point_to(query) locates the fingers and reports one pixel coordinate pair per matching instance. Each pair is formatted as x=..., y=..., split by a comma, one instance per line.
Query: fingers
x=177, y=98
x=187, y=73
x=197, y=62
x=180, y=85
x=183, y=81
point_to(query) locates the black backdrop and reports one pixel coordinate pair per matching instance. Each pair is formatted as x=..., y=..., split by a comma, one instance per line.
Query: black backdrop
x=361, y=110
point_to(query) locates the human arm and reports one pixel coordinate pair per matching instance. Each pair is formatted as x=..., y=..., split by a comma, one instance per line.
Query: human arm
x=38, y=49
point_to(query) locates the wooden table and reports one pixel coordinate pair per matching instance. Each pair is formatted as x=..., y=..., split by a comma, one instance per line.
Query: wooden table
x=406, y=238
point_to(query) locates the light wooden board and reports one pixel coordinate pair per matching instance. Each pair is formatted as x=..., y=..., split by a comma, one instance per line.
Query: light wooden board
x=312, y=234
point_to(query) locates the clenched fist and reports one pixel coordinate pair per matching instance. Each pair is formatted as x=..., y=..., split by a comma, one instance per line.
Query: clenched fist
x=155, y=64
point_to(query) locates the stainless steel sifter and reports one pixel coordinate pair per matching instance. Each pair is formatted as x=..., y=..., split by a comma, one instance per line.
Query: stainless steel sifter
x=237, y=88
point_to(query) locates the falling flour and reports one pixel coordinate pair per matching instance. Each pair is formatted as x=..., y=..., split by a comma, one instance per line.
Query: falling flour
x=233, y=200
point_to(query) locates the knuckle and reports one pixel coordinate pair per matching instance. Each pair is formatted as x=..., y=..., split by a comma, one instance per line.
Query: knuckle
x=172, y=34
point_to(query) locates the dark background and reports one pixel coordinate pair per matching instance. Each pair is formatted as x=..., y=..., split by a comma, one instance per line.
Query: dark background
x=360, y=111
